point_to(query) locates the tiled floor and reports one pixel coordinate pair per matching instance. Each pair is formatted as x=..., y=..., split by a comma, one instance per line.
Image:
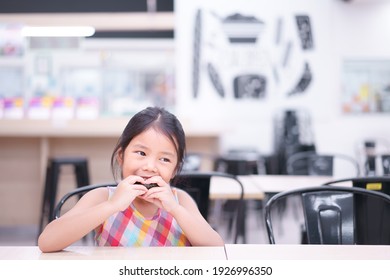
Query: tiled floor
x=255, y=230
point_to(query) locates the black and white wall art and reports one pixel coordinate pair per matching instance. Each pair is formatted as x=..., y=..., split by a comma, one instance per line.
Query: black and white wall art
x=235, y=54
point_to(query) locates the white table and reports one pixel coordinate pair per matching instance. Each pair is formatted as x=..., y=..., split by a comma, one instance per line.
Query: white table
x=279, y=183
x=306, y=252
x=229, y=252
x=225, y=188
x=117, y=253
x=256, y=186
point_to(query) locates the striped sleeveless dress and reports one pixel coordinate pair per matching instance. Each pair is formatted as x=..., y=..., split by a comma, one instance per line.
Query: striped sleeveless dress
x=130, y=228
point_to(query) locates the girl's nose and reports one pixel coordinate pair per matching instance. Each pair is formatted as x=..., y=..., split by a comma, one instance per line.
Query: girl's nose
x=150, y=165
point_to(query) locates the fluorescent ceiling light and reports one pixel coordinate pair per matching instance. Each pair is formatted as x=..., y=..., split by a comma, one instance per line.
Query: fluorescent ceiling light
x=58, y=31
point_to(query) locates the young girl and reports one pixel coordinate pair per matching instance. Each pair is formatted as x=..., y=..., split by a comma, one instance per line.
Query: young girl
x=150, y=151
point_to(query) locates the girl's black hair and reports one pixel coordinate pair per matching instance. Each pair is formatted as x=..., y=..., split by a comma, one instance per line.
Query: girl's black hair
x=161, y=120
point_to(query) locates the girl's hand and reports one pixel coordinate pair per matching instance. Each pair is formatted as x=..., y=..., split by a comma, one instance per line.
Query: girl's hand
x=127, y=190
x=162, y=195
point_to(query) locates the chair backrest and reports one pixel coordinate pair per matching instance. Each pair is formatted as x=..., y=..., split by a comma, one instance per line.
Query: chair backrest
x=337, y=215
x=197, y=184
x=79, y=192
x=198, y=161
x=240, y=162
x=312, y=164
x=192, y=162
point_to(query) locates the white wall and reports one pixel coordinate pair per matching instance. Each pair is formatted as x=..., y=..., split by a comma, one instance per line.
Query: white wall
x=342, y=30
x=360, y=30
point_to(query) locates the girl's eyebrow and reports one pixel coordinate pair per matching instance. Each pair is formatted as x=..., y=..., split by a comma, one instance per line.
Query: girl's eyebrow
x=140, y=146
x=168, y=154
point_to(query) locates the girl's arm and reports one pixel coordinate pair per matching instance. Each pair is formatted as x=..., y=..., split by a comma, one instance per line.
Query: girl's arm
x=196, y=228
x=89, y=212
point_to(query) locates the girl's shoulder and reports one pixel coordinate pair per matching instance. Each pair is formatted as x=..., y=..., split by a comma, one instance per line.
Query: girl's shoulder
x=100, y=194
x=100, y=190
x=183, y=196
x=93, y=197
x=178, y=192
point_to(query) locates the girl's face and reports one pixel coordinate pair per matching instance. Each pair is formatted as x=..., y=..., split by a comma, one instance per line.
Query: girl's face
x=149, y=154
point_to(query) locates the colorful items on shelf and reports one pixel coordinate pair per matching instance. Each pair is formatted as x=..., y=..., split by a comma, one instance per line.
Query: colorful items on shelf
x=44, y=108
x=13, y=108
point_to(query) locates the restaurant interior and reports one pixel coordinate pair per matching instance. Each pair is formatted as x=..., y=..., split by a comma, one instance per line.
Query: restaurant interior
x=255, y=85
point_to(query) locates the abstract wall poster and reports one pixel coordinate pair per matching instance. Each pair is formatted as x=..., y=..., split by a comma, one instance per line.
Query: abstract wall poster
x=303, y=82
x=305, y=31
x=236, y=40
x=249, y=58
x=249, y=51
x=250, y=86
x=196, y=53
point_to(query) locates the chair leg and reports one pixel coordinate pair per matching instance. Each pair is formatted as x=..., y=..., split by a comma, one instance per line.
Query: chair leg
x=82, y=175
x=79, y=175
x=45, y=200
x=241, y=222
x=86, y=174
x=55, y=174
x=303, y=235
x=230, y=208
x=82, y=179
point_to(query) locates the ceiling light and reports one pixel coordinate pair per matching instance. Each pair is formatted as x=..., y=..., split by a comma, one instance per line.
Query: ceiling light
x=58, y=31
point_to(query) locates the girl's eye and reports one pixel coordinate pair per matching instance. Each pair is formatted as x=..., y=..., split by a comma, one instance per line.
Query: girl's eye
x=166, y=160
x=141, y=153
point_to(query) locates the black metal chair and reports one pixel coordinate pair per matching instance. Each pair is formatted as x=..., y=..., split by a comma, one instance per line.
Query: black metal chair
x=337, y=215
x=197, y=184
x=312, y=164
x=239, y=162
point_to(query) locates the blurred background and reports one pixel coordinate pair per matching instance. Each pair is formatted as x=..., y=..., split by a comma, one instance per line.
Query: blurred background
x=272, y=79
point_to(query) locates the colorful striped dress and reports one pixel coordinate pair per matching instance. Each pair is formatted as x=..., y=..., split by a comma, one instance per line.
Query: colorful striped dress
x=131, y=228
